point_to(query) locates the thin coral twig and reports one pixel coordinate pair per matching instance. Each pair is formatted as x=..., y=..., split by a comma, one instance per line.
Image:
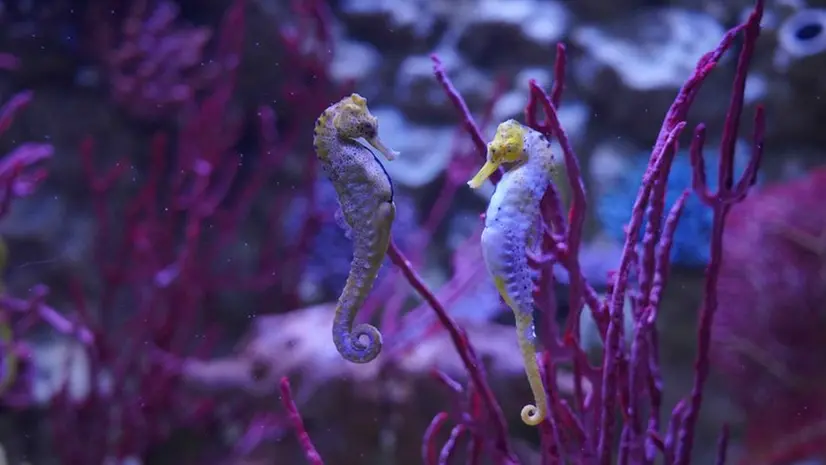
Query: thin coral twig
x=721, y=202
x=576, y=217
x=463, y=347
x=298, y=424
x=722, y=446
x=654, y=378
x=429, y=455
x=449, y=448
x=614, y=358
x=467, y=120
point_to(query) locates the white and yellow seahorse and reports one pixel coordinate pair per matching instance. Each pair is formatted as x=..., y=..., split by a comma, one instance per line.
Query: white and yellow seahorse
x=511, y=228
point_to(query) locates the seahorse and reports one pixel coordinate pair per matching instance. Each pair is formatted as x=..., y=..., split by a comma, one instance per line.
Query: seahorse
x=511, y=228
x=367, y=211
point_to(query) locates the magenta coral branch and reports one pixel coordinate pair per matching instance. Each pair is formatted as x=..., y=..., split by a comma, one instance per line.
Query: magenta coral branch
x=454, y=96
x=463, y=347
x=660, y=277
x=644, y=360
x=10, y=109
x=36, y=307
x=429, y=453
x=663, y=149
x=298, y=424
x=674, y=425
x=614, y=357
x=576, y=217
x=549, y=430
x=15, y=179
x=566, y=253
x=722, y=446
x=721, y=203
x=449, y=448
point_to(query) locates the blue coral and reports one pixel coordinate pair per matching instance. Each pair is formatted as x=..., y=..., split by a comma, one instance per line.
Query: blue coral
x=691, y=240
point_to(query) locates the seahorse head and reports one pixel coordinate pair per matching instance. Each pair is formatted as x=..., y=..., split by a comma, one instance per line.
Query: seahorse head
x=507, y=146
x=353, y=120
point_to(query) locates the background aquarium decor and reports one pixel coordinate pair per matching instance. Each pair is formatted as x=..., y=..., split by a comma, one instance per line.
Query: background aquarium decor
x=171, y=252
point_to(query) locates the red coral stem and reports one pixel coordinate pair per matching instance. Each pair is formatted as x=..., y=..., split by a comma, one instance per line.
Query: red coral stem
x=614, y=358
x=721, y=203
x=298, y=424
x=463, y=347
x=449, y=449
x=429, y=456
x=722, y=446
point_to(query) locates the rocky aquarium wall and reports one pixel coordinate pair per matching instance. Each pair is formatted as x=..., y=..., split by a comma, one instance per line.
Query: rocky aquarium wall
x=190, y=216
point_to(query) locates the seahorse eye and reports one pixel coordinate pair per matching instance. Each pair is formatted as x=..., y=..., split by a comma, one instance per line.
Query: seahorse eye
x=367, y=130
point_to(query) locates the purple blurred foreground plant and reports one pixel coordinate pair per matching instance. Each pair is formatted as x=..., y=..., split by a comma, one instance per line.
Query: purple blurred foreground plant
x=18, y=175
x=628, y=384
x=21, y=172
x=160, y=267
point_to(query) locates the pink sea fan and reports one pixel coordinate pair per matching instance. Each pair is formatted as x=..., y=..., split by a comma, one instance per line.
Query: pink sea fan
x=769, y=337
x=158, y=65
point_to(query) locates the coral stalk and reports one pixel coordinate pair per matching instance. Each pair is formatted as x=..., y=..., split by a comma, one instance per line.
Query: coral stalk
x=727, y=195
x=298, y=424
x=463, y=347
x=614, y=359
